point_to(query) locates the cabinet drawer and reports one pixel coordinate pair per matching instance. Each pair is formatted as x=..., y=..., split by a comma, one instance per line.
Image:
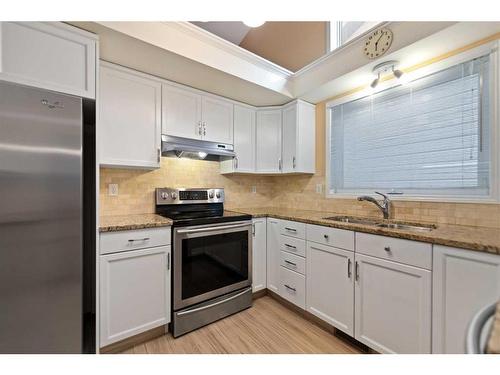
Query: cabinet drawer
x=293, y=287
x=293, y=229
x=113, y=242
x=293, y=262
x=343, y=239
x=413, y=253
x=293, y=245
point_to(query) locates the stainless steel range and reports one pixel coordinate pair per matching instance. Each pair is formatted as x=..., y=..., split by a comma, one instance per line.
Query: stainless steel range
x=212, y=257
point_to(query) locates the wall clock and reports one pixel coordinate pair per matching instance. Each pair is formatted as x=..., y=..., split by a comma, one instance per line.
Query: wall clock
x=377, y=43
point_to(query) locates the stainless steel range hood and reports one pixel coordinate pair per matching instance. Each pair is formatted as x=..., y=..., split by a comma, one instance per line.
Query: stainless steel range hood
x=194, y=148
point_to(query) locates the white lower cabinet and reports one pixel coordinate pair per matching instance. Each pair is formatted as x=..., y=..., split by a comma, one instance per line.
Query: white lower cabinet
x=134, y=292
x=330, y=285
x=259, y=254
x=392, y=306
x=292, y=287
x=273, y=254
x=464, y=281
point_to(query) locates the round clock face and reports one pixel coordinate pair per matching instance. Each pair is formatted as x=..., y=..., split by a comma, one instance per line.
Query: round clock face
x=377, y=43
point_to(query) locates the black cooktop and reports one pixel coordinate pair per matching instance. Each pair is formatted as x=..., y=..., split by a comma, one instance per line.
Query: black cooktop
x=199, y=214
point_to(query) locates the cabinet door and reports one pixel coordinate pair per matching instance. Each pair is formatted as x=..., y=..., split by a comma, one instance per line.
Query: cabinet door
x=217, y=119
x=393, y=306
x=273, y=254
x=134, y=292
x=259, y=254
x=244, y=139
x=181, y=112
x=130, y=118
x=49, y=55
x=290, y=138
x=330, y=285
x=464, y=281
x=268, y=141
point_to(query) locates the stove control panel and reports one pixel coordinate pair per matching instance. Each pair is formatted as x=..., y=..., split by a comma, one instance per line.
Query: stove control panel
x=189, y=196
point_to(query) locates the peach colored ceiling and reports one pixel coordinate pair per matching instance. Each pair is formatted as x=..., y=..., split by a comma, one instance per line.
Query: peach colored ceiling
x=291, y=45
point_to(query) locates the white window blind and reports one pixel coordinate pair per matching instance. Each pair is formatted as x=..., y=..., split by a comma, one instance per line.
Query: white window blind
x=427, y=137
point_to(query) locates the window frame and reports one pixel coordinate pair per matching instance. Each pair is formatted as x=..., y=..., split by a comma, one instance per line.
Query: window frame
x=494, y=188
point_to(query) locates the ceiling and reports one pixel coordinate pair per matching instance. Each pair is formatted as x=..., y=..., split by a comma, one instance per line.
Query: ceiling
x=232, y=31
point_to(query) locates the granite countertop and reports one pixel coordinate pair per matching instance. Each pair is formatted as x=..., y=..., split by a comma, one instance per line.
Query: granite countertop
x=130, y=222
x=466, y=237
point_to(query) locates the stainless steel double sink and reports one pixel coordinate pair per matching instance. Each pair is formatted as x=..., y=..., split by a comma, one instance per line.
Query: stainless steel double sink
x=383, y=224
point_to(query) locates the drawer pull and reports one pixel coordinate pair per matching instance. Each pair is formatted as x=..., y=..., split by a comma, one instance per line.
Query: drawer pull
x=349, y=272
x=387, y=248
x=291, y=229
x=291, y=246
x=290, y=263
x=326, y=236
x=139, y=239
x=356, y=271
x=290, y=288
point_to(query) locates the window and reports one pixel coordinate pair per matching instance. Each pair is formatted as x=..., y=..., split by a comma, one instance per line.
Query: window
x=430, y=137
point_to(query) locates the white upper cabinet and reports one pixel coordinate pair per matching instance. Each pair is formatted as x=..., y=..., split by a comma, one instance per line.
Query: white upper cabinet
x=393, y=306
x=188, y=113
x=48, y=55
x=464, y=282
x=181, y=112
x=268, y=141
x=299, y=137
x=217, y=119
x=129, y=118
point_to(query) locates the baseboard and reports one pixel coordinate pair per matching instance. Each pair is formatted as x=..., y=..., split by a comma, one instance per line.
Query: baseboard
x=132, y=341
x=320, y=323
x=259, y=294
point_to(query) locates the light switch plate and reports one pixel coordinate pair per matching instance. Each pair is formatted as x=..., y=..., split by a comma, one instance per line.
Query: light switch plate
x=254, y=189
x=319, y=188
x=113, y=189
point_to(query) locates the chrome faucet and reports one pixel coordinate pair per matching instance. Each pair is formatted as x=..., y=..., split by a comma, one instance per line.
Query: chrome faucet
x=385, y=206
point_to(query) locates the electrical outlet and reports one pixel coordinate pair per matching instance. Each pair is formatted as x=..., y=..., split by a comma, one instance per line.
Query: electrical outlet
x=113, y=189
x=319, y=188
x=254, y=189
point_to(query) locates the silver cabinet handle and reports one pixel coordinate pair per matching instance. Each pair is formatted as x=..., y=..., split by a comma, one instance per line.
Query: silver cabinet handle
x=326, y=236
x=138, y=239
x=204, y=128
x=279, y=164
x=159, y=154
x=235, y=163
x=199, y=128
x=356, y=271
x=290, y=246
x=387, y=248
x=253, y=230
x=168, y=261
x=212, y=304
x=349, y=272
x=289, y=287
x=211, y=229
x=294, y=162
x=290, y=263
x=291, y=229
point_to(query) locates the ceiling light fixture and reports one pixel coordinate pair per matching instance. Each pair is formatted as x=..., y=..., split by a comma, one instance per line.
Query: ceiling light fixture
x=254, y=24
x=384, y=68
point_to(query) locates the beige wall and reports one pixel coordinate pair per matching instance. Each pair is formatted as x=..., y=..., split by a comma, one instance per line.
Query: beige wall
x=291, y=45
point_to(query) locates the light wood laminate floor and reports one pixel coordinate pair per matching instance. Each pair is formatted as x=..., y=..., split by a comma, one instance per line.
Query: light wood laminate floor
x=267, y=327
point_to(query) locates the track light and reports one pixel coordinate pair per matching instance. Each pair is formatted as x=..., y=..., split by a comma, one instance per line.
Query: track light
x=386, y=67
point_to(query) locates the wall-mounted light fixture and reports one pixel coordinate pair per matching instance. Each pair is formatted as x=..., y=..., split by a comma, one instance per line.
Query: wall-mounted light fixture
x=385, y=68
x=254, y=23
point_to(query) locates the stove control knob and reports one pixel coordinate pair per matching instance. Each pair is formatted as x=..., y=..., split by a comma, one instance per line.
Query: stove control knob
x=164, y=195
x=173, y=195
x=217, y=194
x=211, y=194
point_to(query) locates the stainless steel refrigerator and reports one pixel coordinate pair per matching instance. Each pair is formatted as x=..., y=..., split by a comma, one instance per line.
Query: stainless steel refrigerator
x=47, y=203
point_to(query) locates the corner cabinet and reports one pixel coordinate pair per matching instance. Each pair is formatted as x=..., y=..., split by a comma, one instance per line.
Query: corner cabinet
x=268, y=141
x=49, y=55
x=299, y=138
x=189, y=113
x=129, y=118
x=259, y=254
x=464, y=281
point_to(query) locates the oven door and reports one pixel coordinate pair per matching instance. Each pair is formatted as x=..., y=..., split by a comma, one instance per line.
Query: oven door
x=211, y=260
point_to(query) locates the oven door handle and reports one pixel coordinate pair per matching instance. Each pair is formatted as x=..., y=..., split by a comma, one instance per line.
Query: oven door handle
x=211, y=229
x=187, y=312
